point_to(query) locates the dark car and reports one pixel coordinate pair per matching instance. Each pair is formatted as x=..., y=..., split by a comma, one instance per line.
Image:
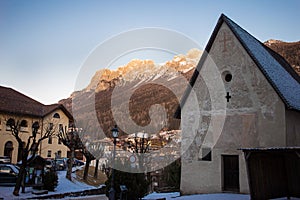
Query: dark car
x=4, y=159
x=60, y=164
x=49, y=164
x=8, y=174
x=78, y=162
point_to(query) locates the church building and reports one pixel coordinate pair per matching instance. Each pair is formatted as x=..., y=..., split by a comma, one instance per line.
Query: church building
x=248, y=96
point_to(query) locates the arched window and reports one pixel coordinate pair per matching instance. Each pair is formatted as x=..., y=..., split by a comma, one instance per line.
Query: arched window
x=24, y=123
x=8, y=149
x=10, y=122
x=56, y=115
x=24, y=126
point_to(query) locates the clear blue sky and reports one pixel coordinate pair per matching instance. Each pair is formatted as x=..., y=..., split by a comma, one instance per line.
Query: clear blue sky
x=44, y=43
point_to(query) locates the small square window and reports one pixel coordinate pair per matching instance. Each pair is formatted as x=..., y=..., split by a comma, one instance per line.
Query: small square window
x=49, y=140
x=59, y=154
x=49, y=154
x=50, y=126
x=61, y=127
x=206, y=154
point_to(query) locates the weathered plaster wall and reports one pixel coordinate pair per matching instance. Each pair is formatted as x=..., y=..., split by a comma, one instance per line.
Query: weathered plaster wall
x=292, y=128
x=255, y=116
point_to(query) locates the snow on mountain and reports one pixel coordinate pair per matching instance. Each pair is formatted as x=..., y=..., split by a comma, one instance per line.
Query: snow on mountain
x=144, y=70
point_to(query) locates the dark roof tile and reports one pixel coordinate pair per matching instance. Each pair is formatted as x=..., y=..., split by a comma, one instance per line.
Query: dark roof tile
x=14, y=102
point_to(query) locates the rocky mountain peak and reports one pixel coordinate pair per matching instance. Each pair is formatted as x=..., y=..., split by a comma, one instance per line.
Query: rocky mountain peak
x=272, y=41
x=138, y=69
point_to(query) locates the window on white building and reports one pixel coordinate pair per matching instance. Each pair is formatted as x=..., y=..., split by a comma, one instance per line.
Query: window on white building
x=49, y=154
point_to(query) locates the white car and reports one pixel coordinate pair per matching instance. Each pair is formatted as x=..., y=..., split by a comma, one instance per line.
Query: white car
x=4, y=159
x=8, y=174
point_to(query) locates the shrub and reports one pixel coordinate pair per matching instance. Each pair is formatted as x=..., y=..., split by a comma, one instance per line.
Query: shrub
x=50, y=180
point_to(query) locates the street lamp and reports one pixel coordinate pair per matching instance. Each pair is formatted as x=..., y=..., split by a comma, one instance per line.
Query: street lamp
x=112, y=191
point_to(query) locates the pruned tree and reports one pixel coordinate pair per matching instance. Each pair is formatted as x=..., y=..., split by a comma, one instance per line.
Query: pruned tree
x=82, y=145
x=96, y=148
x=89, y=157
x=29, y=146
x=139, y=145
x=69, y=137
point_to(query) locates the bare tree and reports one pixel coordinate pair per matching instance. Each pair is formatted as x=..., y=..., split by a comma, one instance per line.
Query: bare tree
x=69, y=137
x=97, y=149
x=83, y=135
x=139, y=145
x=29, y=146
x=89, y=157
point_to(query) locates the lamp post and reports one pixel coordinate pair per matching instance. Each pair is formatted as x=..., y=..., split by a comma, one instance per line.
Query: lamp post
x=112, y=191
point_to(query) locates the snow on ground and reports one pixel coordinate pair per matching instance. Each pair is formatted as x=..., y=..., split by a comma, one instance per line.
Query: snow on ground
x=70, y=186
x=219, y=196
x=176, y=196
x=64, y=186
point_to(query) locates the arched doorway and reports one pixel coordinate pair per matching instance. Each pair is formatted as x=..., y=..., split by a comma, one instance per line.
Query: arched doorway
x=8, y=149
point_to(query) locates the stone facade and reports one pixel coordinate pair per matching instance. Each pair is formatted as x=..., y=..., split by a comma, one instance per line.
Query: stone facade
x=253, y=115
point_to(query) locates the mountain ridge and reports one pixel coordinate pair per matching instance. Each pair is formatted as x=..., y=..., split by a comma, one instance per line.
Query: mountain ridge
x=138, y=78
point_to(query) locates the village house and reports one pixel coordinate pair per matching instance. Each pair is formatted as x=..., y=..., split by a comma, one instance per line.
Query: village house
x=248, y=97
x=17, y=107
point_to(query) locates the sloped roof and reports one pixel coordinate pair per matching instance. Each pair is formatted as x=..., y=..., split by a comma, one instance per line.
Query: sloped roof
x=14, y=102
x=274, y=69
x=279, y=73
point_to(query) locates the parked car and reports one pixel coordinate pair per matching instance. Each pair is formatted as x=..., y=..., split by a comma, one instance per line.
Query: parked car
x=4, y=159
x=8, y=174
x=49, y=164
x=77, y=162
x=60, y=164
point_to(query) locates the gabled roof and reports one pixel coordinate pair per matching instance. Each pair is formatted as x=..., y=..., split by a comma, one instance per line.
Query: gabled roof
x=14, y=102
x=279, y=73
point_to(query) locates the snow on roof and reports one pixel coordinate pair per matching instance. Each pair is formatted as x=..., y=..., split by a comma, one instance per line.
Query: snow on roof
x=283, y=82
